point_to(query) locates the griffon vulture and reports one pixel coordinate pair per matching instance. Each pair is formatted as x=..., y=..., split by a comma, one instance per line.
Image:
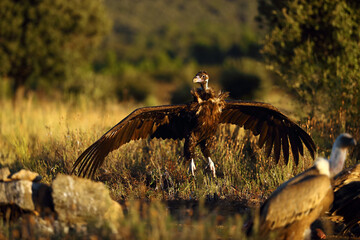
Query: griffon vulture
x=297, y=203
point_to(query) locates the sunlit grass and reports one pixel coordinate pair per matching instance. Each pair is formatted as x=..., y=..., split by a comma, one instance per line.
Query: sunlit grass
x=47, y=137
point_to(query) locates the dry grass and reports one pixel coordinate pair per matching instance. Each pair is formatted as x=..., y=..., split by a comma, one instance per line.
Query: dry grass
x=47, y=137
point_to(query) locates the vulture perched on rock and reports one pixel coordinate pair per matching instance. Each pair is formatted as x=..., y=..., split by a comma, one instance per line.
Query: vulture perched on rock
x=295, y=204
x=197, y=123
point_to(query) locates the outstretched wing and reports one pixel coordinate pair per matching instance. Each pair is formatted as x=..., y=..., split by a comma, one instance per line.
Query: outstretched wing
x=161, y=122
x=274, y=128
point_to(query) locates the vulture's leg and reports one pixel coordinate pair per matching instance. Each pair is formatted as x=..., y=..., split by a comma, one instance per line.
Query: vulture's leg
x=205, y=146
x=192, y=167
x=189, y=152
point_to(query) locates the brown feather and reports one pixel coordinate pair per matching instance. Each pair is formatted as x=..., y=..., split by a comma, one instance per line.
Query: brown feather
x=308, y=143
x=240, y=119
x=277, y=145
x=269, y=142
x=263, y=135
x=250, y=114
x=259, y=126
x=197, y=122
x=137, y=125
x=294, y=147
x=346, y=204
x=306, y=197
x=299, y=144
x=285, y=144
x=250, y=123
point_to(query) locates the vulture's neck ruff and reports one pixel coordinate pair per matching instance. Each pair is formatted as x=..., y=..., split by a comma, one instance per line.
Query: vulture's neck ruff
x=323, y=166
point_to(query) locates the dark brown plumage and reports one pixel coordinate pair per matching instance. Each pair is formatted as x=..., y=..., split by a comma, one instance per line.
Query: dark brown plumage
x=346, y=206
x=197, y=123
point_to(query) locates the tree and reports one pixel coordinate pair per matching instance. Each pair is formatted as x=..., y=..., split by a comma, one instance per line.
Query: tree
x=41, y=40
x=314, y=47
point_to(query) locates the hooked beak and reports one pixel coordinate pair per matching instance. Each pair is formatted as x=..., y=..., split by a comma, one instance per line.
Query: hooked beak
x=197, y=79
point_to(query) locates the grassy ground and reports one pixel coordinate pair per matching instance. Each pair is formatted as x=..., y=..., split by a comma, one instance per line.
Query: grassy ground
x=47, y=137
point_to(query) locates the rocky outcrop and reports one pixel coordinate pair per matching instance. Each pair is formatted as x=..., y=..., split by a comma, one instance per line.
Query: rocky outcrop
x=23, y=191
x=69, y=202
x=79, y=200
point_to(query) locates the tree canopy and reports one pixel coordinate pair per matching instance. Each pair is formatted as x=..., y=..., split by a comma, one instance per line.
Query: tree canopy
x=314, y=47
x=204, y=31
x=41, y=41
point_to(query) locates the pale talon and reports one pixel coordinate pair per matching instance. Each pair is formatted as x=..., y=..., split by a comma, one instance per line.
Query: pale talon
x=212, y=167
x=192, y=167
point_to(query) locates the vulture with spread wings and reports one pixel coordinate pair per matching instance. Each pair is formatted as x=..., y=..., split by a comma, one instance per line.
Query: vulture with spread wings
x=197, y=123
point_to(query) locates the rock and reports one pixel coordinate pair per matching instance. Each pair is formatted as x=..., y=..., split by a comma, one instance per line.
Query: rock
x=70, y=203
x=18, y=193
x=26, y=195
x=79, y=200
x=4, y=174
x=26, y=175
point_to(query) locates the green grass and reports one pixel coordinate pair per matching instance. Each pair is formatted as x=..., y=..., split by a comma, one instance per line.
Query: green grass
x=47, y=137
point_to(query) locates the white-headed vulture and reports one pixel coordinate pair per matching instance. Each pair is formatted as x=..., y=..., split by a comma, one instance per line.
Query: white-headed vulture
x=297, y=203
x=197, y=123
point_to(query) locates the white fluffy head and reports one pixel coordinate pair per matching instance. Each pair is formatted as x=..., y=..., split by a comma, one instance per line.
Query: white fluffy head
x=323, y=166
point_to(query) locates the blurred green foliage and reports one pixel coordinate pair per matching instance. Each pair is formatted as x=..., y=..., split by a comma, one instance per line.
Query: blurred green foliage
x=58, y=48
x=244, y=78
x=163, y=31
x=43, y=42
x=181, y=94
x=314, y=47
x=169, y=41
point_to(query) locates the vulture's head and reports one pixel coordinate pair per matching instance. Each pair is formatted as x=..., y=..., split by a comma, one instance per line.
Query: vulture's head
x=339, y=152
x=202, y=78
x=344, y=140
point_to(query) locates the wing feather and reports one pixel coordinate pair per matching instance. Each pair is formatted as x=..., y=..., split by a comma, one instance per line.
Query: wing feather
x=298, y=142
x=143, y=122
x=269, y=142
x=277, y=145
x=306, y=139
x=258, y=128
x=263, y=135
x=241, y=119
x=275, y=129
x=86, y=155
x=251, y=122
x=226, y=115
x=294, y=146
x=307, y=194
x=285, y=146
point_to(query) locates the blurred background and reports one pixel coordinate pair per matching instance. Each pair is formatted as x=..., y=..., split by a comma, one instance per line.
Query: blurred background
x=70, y=70
x=301, y=56
x=144, y=51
